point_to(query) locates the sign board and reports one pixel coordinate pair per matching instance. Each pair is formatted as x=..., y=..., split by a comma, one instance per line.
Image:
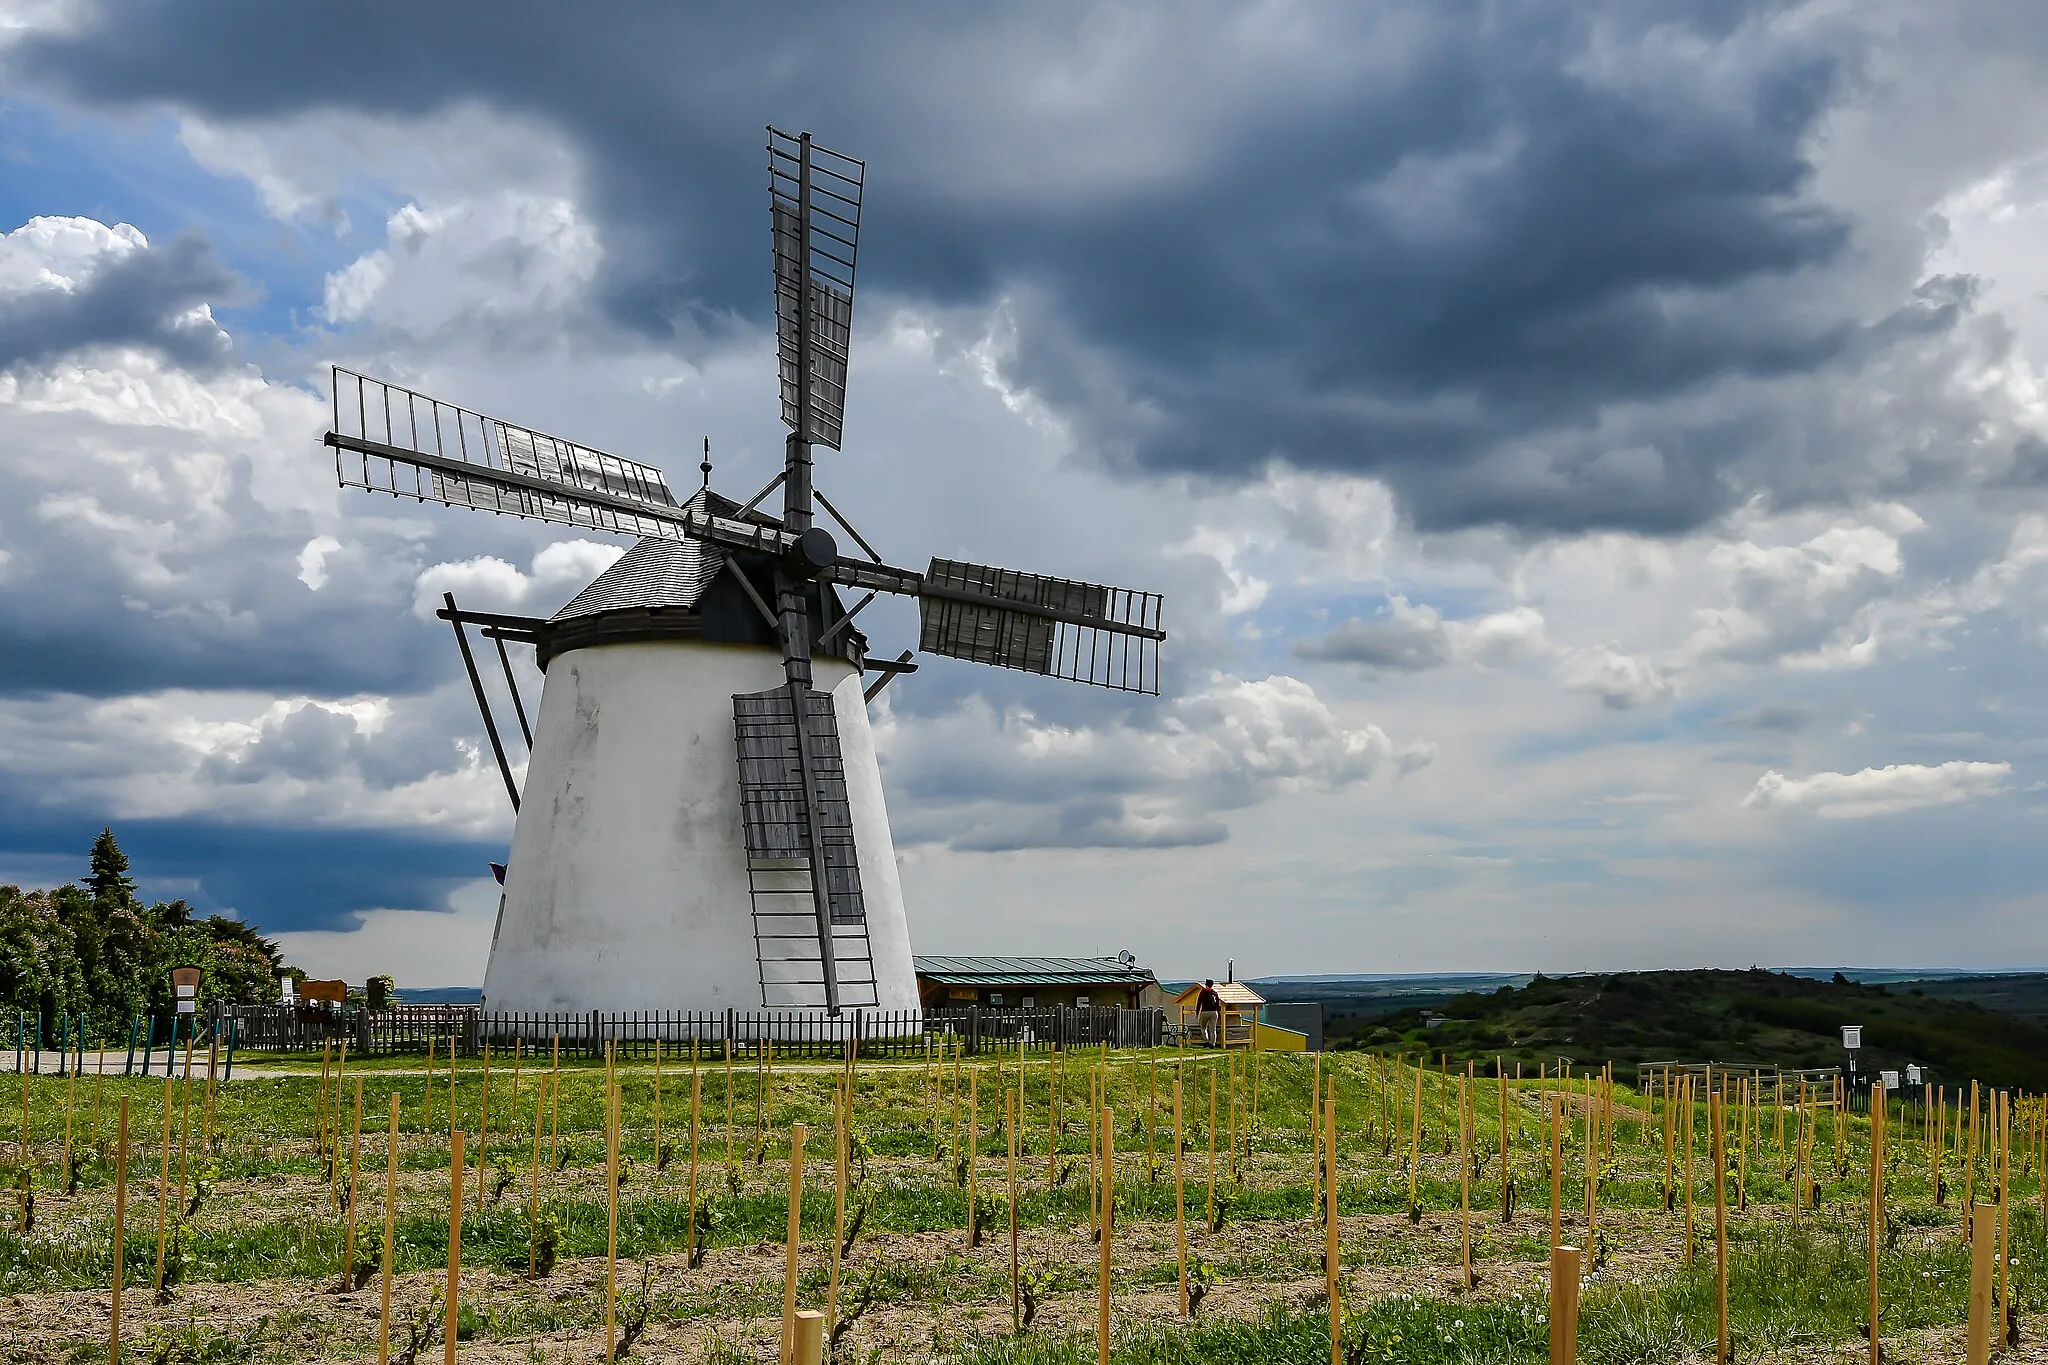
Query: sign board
x=1852, y=1036
x=335, y=992
x=1891, y=1079
x=1914, y=1075
x=962, y=993
x=287, y=989
x=185, y=986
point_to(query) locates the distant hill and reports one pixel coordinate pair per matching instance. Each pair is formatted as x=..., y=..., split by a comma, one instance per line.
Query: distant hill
x=1757, y=1016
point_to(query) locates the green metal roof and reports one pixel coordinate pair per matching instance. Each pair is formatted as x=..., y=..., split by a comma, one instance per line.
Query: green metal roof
x=1030, y=971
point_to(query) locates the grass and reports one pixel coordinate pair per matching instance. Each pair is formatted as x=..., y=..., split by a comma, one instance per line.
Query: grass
x=265, y=1217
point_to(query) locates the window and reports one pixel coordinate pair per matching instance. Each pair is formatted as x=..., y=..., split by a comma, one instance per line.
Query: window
x=1080, y=1002
x=995, y=999
x=1028, y=1002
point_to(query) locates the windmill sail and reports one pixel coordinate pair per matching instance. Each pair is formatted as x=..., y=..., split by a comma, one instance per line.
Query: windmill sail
x=814, y=215
x=389, y=439
x=1082, y=632
x=772, y=791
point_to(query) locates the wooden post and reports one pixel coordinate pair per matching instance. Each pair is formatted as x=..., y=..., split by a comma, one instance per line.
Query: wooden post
x=657, y=1101
x=1717, y=1110
x=808, y=1339
x=427, y=1100
x=1685, y=1106
x=1564, y=1305
x=1983, y=1246
x=696, y=1096
x=163, y=1186
x=1415, y=1146
x=320, y=1099
x=1013, y=1136
x=1180, y=1197
x=70, y=1088
x=185, y=1128
x=728, y=1103
x=842, y=1125
x=355, y=1151
x=1052, y=1115
x=1212, y=1146
x=1877, y=1145
x=1556, y=1169
x=611, y=1243
x=1970, y=1168
x=451, y=1300
x=540, y=1113
x=973, y=1145
x=1106, y=1221
x=798, y=1134
x=555, y=1101
x=390, y=1226
x=483, y=1139
x=1464, y=1178
x=120, y=1240
x=1507, y=1187
x=1331, y=1263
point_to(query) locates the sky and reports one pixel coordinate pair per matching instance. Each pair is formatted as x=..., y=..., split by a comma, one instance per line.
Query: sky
x=1595, y=456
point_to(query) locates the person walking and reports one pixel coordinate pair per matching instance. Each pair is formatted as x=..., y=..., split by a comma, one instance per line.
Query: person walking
x=1209, y=1012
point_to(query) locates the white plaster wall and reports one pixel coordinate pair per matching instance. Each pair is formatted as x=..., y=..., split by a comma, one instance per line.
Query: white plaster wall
x=627, y=886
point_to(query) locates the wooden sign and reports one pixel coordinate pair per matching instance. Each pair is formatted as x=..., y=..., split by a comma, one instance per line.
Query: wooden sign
x=335, y=991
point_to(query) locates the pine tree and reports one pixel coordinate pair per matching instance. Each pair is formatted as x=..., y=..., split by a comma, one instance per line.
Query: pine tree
x=112, y=887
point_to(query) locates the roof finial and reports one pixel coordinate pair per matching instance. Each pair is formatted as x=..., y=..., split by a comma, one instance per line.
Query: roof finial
x=706, y=466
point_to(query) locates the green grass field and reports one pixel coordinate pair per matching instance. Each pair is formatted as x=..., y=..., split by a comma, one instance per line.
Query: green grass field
x=255, y=1238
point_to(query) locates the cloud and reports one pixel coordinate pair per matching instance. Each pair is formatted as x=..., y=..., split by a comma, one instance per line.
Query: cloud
x=1774, y=719
x=71, y=283
x=1878, y=791
x=488, y=583
x=1568, y=268
x=986, y=781
x=1414, y=638
x=1621, y=682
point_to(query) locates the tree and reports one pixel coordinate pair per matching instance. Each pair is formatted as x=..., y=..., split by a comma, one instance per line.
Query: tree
x=111, y=885
x=95, y=949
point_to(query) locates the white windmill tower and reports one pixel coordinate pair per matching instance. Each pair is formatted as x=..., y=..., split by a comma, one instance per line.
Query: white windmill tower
x=702, y=824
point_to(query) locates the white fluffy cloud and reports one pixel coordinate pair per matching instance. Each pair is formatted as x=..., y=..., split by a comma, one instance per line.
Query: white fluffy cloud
x=983, y=780
x=1878, y=791
x=487, y=583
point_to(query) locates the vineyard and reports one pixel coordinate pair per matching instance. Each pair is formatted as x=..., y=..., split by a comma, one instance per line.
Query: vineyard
x=1181, y=1205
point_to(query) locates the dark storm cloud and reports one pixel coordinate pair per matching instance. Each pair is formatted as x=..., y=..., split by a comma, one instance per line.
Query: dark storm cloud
x=279, y=879
x=1434, y=244
x=142, y=298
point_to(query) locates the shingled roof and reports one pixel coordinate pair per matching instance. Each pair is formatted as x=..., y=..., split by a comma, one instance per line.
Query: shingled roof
x=655, y=572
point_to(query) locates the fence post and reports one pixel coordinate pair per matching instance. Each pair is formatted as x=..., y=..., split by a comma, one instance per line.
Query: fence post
x=128, y=1067
x=1564, y=1305
x=228, y=1071
x=973, y=1030
x=362, y=1033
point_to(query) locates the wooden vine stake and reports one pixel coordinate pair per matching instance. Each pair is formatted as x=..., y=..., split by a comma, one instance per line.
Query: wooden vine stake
x=1983, y=1246
x=1877, y=1145
x=1212, y=1147
x=540, y=1110
x=120, y=1243
x=798, y=1134
x=1106, y=1222
x=390, y=1227
x=355, y=1151
x=427, y=1100
x=1464, y=1181
x=1564, y=1305
x=696, y=1097
x=451, y=1300
x=973, y=1146
x=1415, y=1148
x=1717, y=1109
x=1180, y=1198
x=483, y=1139
x=842, y=1132
x=163, y=1188
x=1331, y=1263
x=808, y=1339
x=1556, y=1171
x=1013, y=1137
x=611, y=1240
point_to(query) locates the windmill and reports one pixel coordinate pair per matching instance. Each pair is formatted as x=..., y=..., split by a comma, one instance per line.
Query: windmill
x=701, y=652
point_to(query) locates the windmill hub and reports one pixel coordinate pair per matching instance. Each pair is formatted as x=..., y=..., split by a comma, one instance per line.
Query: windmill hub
x=812, y=553
x=649, y=870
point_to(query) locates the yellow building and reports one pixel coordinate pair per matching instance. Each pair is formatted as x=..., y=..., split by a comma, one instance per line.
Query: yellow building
x=1241, y=1006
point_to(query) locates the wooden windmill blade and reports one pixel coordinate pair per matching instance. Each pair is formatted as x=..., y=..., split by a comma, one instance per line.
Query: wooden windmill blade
x=391, y=439
x=1056, y=627
x=814, y=212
